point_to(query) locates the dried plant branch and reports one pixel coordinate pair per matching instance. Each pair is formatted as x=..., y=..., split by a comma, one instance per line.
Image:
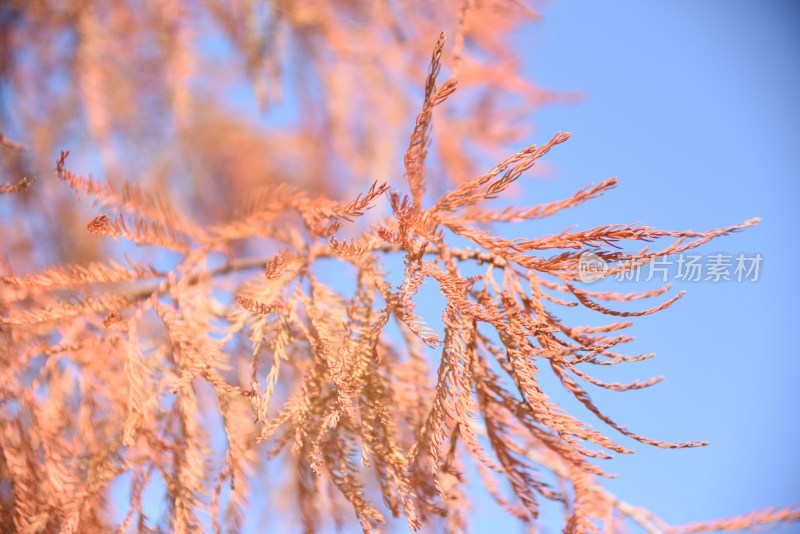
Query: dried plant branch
x=10, y=143
x=22, y=185
x=292, y=324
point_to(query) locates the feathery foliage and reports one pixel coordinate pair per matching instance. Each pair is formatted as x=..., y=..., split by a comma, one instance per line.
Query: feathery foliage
x=223, y=345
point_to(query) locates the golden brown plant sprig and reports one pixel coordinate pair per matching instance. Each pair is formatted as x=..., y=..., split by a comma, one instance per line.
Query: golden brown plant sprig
x=112, y=370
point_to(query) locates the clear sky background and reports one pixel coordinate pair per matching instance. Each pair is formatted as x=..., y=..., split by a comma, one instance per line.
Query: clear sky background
x=694, y=106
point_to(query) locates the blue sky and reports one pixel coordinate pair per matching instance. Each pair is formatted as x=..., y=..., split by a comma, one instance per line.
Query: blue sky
x=693, y=105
